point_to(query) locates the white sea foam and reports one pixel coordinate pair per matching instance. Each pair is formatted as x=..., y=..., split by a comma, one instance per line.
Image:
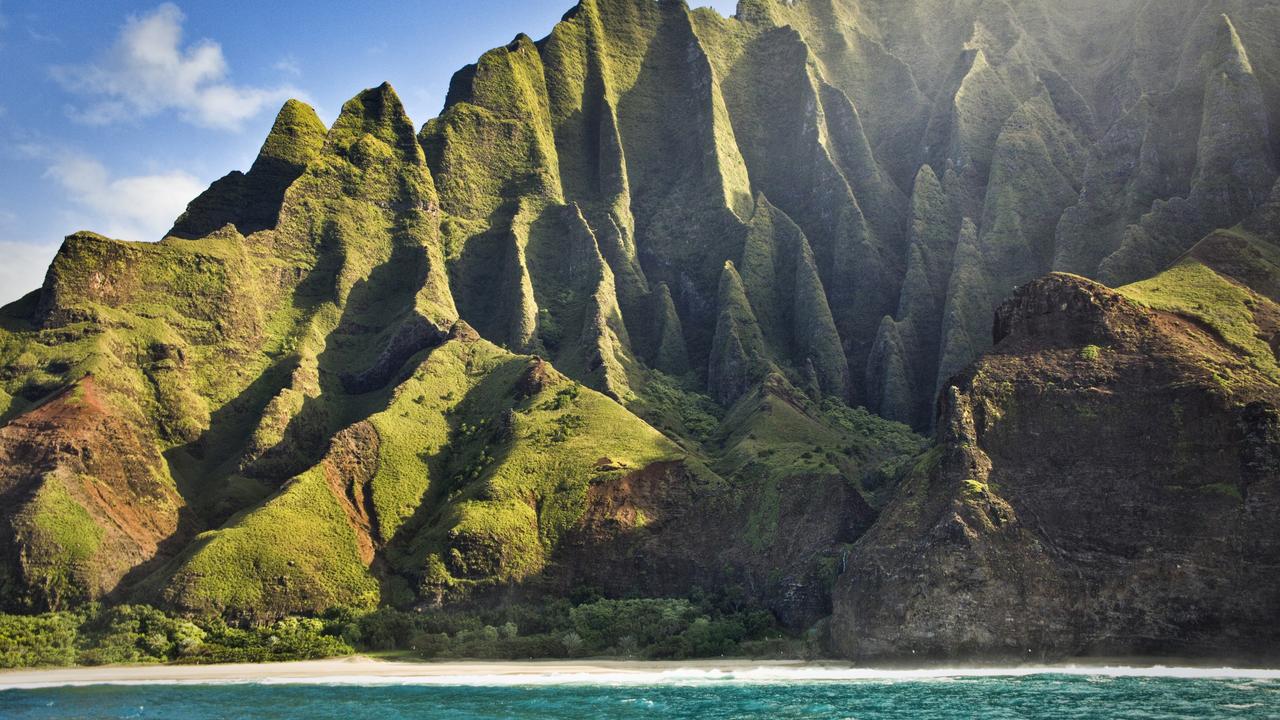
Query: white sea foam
x=764, y=675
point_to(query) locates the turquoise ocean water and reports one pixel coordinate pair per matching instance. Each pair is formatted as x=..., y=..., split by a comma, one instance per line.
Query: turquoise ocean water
x=1061, y=697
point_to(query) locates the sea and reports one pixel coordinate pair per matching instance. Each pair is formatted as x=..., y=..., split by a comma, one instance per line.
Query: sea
x=773, y=694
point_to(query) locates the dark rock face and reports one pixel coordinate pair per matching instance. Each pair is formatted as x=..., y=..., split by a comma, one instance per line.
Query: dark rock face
x=414, y=335
x=657, y=529
x=1061, y=310
x=1094, y=492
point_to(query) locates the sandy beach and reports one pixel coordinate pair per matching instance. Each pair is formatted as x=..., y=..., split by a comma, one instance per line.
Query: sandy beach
x=361, y=670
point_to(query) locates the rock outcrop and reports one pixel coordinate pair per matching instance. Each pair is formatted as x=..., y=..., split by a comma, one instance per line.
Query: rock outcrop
x=1098, y=489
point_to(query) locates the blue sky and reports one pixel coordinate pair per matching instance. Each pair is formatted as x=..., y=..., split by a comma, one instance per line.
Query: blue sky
x=114, y=114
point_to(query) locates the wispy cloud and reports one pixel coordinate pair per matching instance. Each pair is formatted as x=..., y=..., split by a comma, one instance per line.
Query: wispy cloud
x=148, y=71
x=137, y=207
x=289, y=65
x=40, y=37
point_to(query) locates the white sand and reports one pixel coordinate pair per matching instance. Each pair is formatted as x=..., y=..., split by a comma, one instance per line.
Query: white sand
x=357, y=669
x=368, y=671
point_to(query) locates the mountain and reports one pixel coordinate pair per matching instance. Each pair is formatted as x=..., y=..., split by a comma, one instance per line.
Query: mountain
x=1104, y=480
x=655, y=305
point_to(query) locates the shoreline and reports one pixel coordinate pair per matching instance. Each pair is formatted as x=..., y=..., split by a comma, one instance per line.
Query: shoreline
x=364, y=670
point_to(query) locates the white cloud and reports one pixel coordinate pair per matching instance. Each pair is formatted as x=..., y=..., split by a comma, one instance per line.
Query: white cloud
x=148, y=71
x=37, y=36
x=288, y=65
x=23, y=268
x=139, y=207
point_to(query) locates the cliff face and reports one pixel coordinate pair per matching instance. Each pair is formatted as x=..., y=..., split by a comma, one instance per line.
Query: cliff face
x=288, y=413
x=1104, y=484
x=931, y=157
x=622, y=298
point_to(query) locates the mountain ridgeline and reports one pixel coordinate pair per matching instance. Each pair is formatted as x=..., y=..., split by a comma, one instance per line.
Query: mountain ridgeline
x=667, y=303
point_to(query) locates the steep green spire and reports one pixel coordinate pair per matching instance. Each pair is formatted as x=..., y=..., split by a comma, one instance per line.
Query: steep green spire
x=814, y=330
x=738, y=354
x=966, y=319
x=932, y=225
x=517, y=290
x=1034, y=177
x=1234, y=165
x=764, y=250
x=670, y=356
x=880, y=199
x=295, y=139
x=379, y=113
x=784, y=287
x=252, y=201
x=604, y=349
x=890, y=389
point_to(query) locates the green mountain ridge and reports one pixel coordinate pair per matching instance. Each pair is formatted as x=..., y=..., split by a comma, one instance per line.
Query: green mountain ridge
x=653, y=305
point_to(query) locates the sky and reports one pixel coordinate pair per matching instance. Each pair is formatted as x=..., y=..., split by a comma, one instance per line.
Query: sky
x=115, y=114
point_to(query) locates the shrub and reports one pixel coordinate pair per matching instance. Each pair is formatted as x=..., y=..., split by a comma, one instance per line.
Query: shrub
x=430, y=645
x=38, y=640
x=603, y=623
x=572, y=643
x=386, y=629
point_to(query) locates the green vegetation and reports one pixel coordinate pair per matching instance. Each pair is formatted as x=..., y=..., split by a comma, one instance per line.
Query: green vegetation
x=453, y=463
x=650, y=628
x=1090, y=353
x=526, y=444
x=633, y=628
x=133, y=634
x=62, y=540
x=38, y=640
x=1193, y=290
x=296, y=551
x=1228, y=490
x=778, y=432
x=739, y=358
x=667, y=404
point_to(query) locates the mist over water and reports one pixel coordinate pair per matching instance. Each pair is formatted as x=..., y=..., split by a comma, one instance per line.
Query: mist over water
x=1111, y=694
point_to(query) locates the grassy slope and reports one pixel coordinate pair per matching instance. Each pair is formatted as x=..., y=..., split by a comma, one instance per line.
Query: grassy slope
x=475, y=481
x=61, y=539
x=777, y=432
x=297, y=550
x=1192, y=290
x=169, y=332
x=217, y=350
x=165, y=295
x=513, y=475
